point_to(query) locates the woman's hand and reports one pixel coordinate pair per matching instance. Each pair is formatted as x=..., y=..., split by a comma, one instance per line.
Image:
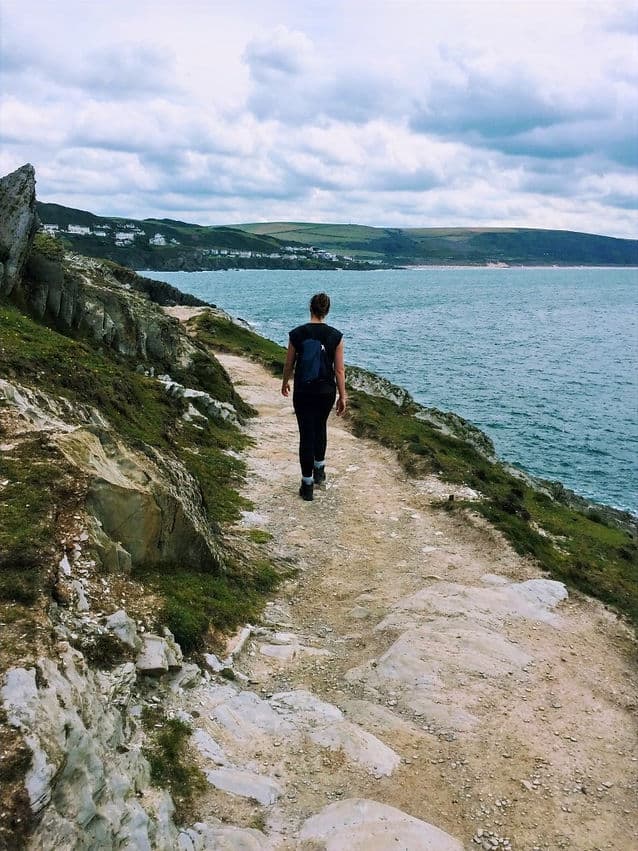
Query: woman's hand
x=291, y=357
x=342, y=404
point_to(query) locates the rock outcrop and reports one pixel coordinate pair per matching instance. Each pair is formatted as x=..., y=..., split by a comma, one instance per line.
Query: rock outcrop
x=18, y=224
x=84, y=295
x=88, y=769
x=147, y=503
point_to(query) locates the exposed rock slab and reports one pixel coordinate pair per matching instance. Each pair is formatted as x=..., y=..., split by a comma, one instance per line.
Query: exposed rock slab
x=358, y=824
x=204, y=837
x=247, y=784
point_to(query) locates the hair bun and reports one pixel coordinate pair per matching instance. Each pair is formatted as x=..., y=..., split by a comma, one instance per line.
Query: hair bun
x=320, y=305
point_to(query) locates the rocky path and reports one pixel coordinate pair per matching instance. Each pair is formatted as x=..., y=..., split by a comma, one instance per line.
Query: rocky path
x=418, y=685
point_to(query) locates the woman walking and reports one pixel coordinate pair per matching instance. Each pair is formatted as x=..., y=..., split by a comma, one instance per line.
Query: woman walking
x=315, y=353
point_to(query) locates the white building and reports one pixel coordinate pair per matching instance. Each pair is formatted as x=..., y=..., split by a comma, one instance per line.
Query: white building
x=50, y=229
x=100, y=233
x=124, y=238
x=158, y=239
x=79, y=230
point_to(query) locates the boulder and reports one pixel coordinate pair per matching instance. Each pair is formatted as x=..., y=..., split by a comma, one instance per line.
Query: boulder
x=146, y=503
x=122, y=626
x=18, y=224
x=158, y=655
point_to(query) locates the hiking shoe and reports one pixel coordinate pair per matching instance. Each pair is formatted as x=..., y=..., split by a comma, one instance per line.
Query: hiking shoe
x=306, y=492
x=319, y=475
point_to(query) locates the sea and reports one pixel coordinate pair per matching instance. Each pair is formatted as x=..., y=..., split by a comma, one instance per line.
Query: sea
x=544, y=360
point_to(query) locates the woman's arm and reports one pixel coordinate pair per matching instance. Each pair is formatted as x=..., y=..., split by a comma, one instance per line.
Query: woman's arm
x=291, y=356
x=340, y=375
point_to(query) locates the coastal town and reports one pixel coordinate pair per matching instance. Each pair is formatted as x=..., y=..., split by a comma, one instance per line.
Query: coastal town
x=125, y=235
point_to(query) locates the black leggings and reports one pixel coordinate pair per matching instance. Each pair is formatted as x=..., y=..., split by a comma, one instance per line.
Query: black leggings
x=311, y=410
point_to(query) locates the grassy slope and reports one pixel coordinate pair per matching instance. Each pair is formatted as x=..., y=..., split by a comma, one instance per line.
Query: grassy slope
x=460, y=245
x=41, y=485
x=577, y=547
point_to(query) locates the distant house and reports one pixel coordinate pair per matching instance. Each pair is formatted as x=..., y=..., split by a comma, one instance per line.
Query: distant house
x=100, y=233
x=79, y=230
x=158, y=239
x=50, y=229
x=124, y=238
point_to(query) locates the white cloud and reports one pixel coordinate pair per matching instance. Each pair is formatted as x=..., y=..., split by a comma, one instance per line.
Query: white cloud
x=399, y=113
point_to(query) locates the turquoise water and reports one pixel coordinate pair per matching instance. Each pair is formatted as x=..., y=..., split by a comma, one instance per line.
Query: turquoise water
x=545, y=361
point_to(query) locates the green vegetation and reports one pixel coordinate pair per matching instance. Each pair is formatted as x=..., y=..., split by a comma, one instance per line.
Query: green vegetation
x=171, y=764
x=456, y=245
x=143, y=414
x=48, y=246
x=37, y=484
x=598, y=559
x=186, y=246
x=574, y=546
x=197, y=601
x=138, y=407
x=226, y=336
x=259, y=536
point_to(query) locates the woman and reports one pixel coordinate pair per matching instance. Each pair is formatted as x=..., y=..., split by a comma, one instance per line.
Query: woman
x=315, y=388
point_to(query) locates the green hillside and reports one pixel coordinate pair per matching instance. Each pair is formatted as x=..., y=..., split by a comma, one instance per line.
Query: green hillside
x=456, y=245
x=167, y=244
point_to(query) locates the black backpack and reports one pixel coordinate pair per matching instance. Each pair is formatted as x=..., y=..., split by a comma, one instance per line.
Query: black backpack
x=312, y=362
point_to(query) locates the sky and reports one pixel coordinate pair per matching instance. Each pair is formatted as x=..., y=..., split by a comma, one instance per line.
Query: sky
x=400, y=113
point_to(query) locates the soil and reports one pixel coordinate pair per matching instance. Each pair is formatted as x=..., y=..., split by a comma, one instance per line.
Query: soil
x=515, y=723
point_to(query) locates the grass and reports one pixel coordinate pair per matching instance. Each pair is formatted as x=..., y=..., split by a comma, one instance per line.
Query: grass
x=143, y=413
x=197, y=601
x=38, y=484
x=171, y=764
x=137, y=406
x=579, y=547
x=226, y=336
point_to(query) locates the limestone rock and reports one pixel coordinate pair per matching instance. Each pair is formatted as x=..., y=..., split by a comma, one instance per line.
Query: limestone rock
x=205, y=837
x=357, y=824
x=87, y=768
x=18, y=223
x=213, y=662
x=247, y=784
x=121, y=625
x=149, y=504
x=158, y=655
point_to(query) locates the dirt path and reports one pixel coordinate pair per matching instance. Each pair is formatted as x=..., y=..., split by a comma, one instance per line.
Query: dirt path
x=507, y=709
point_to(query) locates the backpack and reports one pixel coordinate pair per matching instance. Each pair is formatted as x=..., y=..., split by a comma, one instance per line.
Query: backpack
x=312, y=362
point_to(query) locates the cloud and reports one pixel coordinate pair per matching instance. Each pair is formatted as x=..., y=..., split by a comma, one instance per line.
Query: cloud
x=351, y=112
x=279, y=55
x=126, y=71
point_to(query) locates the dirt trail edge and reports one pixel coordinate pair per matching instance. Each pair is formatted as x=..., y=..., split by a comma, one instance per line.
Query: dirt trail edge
x=418, y=685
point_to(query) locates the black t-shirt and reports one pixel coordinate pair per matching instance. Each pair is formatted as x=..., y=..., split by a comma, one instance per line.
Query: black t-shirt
x=326, y=334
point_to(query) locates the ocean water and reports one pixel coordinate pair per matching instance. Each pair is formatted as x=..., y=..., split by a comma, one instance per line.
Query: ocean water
x=544, y=360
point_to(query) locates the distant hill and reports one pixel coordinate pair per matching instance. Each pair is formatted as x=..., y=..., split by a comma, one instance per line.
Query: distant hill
x=405, y=246
x=167, y=244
